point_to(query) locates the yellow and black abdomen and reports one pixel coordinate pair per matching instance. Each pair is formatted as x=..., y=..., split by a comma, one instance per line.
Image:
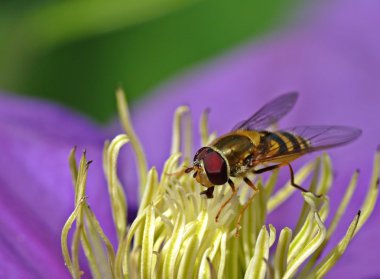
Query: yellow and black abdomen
x=275, y=144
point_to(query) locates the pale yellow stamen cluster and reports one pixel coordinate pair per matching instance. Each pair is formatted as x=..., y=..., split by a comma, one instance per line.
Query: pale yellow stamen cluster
x=175, y=234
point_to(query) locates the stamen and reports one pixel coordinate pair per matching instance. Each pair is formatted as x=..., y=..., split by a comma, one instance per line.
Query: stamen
x=176, y=221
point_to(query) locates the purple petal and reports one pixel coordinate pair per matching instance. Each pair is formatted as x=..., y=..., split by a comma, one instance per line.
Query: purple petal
x=36, y=191
x=362, y=258
x=332, y=59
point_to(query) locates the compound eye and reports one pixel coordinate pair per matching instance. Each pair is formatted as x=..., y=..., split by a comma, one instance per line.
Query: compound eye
x=215, y=167
x=201, y=153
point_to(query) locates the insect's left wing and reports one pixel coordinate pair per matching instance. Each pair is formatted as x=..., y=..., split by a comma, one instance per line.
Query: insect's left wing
x=305, y=139
x=269, y=114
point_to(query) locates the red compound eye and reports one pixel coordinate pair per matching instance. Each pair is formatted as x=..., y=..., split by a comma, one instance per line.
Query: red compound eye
x=201, y=153
x=215, y=167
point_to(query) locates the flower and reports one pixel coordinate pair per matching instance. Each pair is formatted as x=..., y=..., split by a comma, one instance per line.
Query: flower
x=36, y=186
x=332, y=60
x=176, y=235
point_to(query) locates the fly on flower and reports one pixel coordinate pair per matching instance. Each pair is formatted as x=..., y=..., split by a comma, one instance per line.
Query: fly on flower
x=251, y=148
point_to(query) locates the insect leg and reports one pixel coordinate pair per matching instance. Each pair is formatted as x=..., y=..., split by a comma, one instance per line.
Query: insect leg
x=209, y=192
x=267, y=169
x=234, y=192
x=255, y=191
x=293, y=183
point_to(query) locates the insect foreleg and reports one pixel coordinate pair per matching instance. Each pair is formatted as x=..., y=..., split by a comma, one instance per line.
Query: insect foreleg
x=234, y=192
x=255, y=191
x=209, y=192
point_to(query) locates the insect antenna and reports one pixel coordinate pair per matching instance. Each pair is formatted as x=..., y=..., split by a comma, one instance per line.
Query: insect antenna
x=187, y=170
x=180, y=172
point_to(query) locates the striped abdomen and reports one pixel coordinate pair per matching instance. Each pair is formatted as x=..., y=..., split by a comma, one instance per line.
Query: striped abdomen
x=281, y=142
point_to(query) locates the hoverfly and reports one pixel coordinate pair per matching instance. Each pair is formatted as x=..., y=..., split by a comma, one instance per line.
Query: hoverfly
x=250, y=144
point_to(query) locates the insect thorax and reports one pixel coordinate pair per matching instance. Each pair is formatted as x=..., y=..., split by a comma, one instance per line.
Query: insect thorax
x=238, y=149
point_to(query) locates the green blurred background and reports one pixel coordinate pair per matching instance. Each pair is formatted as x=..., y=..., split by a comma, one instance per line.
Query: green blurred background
x=78, y=52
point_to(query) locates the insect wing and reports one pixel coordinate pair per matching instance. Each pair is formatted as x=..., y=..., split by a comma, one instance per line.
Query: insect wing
x=310, y=139
x=323, y=137
x=269, y=114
